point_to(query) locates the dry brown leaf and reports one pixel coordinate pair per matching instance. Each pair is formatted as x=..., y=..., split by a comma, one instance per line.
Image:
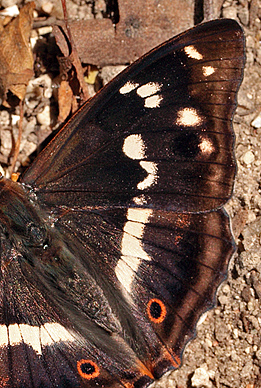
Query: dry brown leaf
x=16, y=57
x=65, y=96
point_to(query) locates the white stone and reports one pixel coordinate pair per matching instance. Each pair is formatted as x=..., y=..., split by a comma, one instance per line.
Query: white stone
x=226, y=289
x=248, y=157
x=44, y=117
x=2, y=171
x=8, y=3
x=11, y=10
x=45, y=30
x=39, y=85
x=201, y=378
x=256, y=123
x=208, y=342
x=235, y=333
x=47, y=7
x=15, y=119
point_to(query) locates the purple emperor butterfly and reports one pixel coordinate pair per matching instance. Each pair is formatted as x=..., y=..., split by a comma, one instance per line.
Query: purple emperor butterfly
x=114, y=241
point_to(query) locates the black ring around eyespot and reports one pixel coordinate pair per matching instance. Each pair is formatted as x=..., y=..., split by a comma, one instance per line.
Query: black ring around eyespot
x=88, y=369
x=156, y=310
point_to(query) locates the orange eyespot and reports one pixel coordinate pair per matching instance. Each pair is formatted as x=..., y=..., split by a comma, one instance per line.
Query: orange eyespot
x=156, y=310
x=88, y=369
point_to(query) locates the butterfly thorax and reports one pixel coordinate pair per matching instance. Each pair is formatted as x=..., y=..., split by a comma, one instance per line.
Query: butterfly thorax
x=18, y=217
x=40, y=246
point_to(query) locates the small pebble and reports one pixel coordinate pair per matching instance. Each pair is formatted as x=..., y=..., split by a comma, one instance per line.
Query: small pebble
x=8, y=3
x=6, y=141
x=226, y=289
x=200, y=378
x=258, y=354
x=2, y=172
x=235, y=333
x=40, y=86
x=15, y=119
x=44, y=117
x=109, y=72
x=230, y=12
x=11, y=11
x=248, y=157
x=4, y=119
x=202, y=319
x=208, y=342
x=45, y=30
x=243, y=15
x=256, y=123
x=29, y=148
x=47, y=7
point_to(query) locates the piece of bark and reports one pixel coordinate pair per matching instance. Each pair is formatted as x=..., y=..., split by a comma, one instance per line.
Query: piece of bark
x=142, y=26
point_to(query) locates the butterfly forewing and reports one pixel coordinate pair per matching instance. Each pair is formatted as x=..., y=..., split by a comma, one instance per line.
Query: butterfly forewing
x=114, y=244
x=159, y=136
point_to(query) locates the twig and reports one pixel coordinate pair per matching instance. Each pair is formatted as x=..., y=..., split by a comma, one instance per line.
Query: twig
x=19, y=138
x=74, y=57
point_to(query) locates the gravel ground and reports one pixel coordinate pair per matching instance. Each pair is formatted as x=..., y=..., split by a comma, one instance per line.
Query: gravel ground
x=227, y=349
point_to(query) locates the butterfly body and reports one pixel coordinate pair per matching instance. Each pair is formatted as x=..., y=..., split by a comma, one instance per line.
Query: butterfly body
x=114, y=241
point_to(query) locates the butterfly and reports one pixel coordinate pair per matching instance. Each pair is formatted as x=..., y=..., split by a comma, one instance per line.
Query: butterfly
x=114, y=240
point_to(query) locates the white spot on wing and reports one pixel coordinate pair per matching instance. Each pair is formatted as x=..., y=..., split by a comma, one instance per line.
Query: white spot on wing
x=46, y=339
x=139, y=215
x=149, y=89
x=149, y=93
x=34, y=336
x=31, y=336
x=208, y=70
x=133, y=228
x=153, y=101
x=58, y=333
x=128, y=87
x=192, y=52
x=131, y=246
x=206, y=146
x=151, y=179
x=140, y=200
x=3, y=336
x=14, y=334
x=188, y=117
x=134, y=147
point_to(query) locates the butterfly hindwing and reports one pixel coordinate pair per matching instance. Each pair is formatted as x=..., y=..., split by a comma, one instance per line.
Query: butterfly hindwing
x=159, y=259
x=114, y=243
x=159, y=262
x=39, y=344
